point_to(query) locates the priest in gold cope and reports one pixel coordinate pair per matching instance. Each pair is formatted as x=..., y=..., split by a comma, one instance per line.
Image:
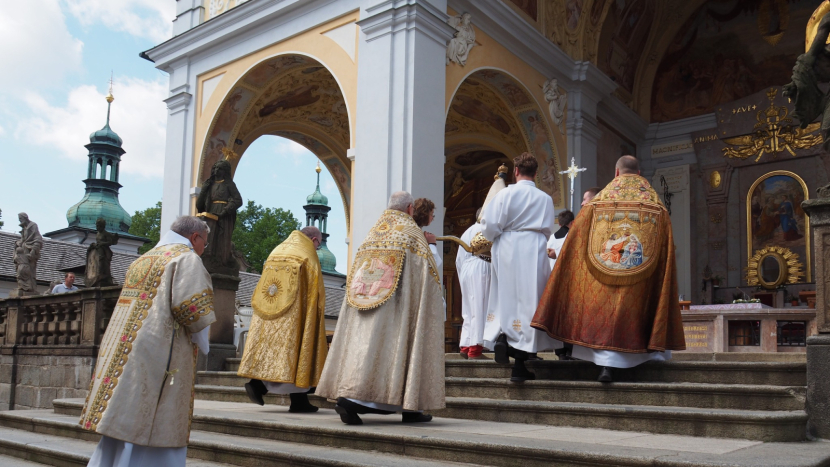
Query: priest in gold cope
x=286, y=346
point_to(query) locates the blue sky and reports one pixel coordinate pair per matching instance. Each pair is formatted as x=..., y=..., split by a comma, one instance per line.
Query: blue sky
x=51, y=100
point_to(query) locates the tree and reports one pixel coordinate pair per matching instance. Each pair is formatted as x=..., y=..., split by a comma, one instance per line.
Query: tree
x=1, y=217
x=258, y=230
x=147, y=224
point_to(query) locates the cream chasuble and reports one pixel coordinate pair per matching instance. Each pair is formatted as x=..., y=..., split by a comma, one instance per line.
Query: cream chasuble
x=518, y=221
x=388, y=347
x=287, y=339
x=143, y=385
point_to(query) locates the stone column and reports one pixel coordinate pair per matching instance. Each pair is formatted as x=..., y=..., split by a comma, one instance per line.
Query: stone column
x=178, y=149
x=189, y=14
x=583, y=132
x=818, y=347
x=677, y=178
x=400, y=108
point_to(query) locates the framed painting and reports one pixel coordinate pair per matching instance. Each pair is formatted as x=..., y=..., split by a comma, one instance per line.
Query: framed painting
x=774, y=216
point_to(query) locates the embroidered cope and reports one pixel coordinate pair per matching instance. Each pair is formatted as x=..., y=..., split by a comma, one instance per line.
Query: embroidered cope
x=287, y=338
x=388, y=347
x=615, y=286
x=143, y=386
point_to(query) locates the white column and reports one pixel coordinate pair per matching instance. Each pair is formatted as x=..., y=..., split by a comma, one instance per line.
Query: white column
x=400, y=108
x=589, y=88
x=189, y=14
x=178, y=149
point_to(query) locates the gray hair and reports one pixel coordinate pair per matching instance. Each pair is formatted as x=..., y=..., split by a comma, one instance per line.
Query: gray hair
x=312, y=232
x=188, y=225
x=399, y=201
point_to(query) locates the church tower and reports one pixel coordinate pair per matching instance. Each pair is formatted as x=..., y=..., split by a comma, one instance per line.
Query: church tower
x=101, y=197
x=316, y=214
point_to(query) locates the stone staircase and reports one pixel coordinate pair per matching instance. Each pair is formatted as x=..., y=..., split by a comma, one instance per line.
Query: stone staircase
x=703, y=410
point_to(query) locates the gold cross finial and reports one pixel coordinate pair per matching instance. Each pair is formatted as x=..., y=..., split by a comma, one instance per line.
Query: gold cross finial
x=110, y=98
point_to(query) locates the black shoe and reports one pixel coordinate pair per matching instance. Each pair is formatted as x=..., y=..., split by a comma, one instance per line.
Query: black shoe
x=605, y=375
x=300, y=403
x=532, y=356
x=520, y=373
x=359, y=408
x=500, y=350
x=415, y=417
x=347, y=416
x=256, y=389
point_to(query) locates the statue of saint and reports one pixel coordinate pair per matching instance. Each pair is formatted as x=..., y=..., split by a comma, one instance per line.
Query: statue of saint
x=217, y=204
x=811, y=70
x=99, y=257
x=25, y=257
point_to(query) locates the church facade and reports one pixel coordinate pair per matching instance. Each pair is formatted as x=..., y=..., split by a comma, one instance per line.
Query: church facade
x=431, y=96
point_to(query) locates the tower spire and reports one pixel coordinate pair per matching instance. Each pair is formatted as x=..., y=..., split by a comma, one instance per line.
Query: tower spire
x=110, y=98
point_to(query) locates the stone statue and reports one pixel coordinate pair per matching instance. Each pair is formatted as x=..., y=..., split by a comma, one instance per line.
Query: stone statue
x=99, y=257
x=464, y=39
x=217, y=204
x=811, y=70
x=25, y=257
x=457, y=184
x=556, y=101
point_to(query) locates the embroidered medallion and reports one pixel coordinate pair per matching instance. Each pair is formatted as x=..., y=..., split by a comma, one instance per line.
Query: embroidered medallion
x=278, y=287
x=491, y=317
x=626, y=234
x=517, y=325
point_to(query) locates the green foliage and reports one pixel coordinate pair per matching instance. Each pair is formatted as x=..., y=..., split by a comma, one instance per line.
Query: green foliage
x=258, y=230
x=147, y=224
x=1, y=217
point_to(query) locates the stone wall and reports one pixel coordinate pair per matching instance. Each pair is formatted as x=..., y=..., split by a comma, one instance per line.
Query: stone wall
x=48, y=345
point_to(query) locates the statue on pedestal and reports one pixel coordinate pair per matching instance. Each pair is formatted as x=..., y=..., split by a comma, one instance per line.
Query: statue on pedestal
x=217, y=204
x=99, y=257
x=25, y=257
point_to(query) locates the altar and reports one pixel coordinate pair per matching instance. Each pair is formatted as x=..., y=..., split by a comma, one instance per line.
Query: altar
x=747, y=327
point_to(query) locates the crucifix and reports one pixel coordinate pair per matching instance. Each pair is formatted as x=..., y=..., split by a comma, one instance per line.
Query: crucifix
x=572, y=172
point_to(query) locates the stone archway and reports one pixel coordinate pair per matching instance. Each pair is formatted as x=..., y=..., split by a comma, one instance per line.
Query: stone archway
x=292, y=96
x=490, y=119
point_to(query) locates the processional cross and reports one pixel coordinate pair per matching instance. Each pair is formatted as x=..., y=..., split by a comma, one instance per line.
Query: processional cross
x=572, y=172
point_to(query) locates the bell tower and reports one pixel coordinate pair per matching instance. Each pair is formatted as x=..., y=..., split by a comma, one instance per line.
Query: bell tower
x=316, y=214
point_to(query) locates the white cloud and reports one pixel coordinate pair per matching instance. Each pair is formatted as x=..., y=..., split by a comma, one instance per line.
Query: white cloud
x=37, y=44
x=285, y=147
x=138, y=115
x=151, y=19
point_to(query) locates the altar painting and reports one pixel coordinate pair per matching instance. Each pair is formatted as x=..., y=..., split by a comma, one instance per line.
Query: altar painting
x=774, y=214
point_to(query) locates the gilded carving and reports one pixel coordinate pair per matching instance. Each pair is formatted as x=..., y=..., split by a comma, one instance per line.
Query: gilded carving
x=715, y=179
x=789, y=268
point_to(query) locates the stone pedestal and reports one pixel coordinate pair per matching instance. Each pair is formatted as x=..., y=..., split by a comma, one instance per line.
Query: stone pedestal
x=818, y=386
x=221, y=332
x=818, y=347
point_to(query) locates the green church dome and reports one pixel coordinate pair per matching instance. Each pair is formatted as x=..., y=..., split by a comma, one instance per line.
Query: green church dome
x=327, y=260
x=317, y=197
x=102, y=204
x=106, y=136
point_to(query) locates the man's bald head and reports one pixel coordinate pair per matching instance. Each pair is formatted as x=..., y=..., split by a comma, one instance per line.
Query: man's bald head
x=628, y=165
x=312, y=233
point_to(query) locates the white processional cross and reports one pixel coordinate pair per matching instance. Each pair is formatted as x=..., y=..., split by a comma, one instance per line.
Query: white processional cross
x=572, y=172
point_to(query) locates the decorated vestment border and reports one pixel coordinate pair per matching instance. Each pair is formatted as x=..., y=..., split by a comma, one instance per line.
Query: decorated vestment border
x=122, y=351
x=374, y=253
x=190, y=311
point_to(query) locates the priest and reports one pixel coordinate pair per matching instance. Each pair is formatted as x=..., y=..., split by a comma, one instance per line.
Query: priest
x=473, y=271
x=555, y=242
x=518, y=221
x=141, y=394
x=387, y=355
x=286, y=346
x=614, y=295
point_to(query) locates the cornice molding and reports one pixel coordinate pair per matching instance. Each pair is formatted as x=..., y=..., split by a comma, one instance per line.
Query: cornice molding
x=681, y=127
x=178, y=102
x=392, y=16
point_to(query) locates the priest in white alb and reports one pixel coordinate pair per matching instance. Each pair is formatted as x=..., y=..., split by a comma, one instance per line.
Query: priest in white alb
x=141, y=394
x=518, y=221
x=473, y=271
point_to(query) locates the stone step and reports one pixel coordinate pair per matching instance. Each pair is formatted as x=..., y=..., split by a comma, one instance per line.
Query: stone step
x=55, y=439
x=235, y=427
x=755, y=373
x=692, y=421
x=718, y=396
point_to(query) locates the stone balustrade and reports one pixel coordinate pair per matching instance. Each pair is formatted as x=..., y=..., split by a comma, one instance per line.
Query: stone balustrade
x=48, y=345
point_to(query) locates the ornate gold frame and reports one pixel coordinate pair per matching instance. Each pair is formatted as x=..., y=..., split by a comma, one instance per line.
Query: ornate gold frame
x=788, y=264
x=807, y=233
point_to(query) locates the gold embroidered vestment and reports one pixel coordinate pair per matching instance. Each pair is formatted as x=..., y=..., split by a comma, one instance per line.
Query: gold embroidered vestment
x=287, y=339
x=143, y=386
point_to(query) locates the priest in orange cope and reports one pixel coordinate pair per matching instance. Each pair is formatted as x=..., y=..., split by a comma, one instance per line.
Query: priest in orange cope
x=613, y=293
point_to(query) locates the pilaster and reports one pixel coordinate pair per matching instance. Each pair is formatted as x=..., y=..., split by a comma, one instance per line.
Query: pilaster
x=189, y=14
x=178, y=149
x=400, y=107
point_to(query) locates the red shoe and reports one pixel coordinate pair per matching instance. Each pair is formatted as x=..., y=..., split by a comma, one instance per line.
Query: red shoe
x=463, y=351
x=475, y=352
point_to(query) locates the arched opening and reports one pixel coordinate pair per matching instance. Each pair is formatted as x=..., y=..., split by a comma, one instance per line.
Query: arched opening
x=491, y=119
x=292, y=96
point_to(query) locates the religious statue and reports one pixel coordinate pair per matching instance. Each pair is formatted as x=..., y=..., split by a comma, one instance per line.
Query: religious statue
x=25, y=257
x=463, y=40
x=99, y=257
x=556, y=101
x=457, y=184
x=811, y=70
x=217, y=204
